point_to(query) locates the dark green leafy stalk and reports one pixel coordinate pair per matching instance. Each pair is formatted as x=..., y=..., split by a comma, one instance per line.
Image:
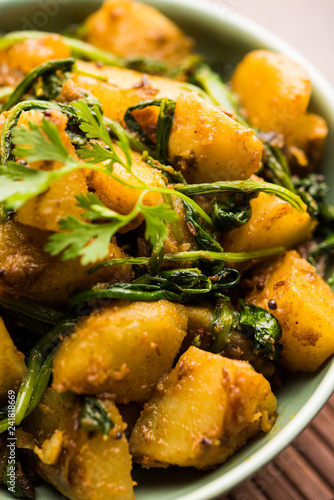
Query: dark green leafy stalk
x=5, y=92
x=279, y=167
x=181, y=285
x=26, y=84
x=204, y=239
x=264, y=327
x=146, y=65
x=224, y=320
x=244, y=187
x=231, y=212
x=94, y=417
x=326, y=246
x=164, y=125
x=22, y=488
x=14, y=115
x=193, y=256
x=172, y=175
x=39, y=372
x=32, y=310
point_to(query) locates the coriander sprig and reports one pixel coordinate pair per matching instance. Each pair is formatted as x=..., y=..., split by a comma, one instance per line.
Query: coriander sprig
x=91, y=241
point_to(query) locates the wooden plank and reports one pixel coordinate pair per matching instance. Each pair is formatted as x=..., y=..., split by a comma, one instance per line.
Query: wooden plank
x=275, y=485
x=331, y=402
x=302, y=476
x=323, y=425
x=316, y=451
x=247, y=491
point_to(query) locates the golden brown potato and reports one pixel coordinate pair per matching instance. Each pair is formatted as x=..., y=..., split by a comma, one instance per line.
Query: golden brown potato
x=47, y=209
x=309, y=136
x=207, y=145
x=122, y=198
x=204, y=410
x=273, y=89
x=122, y=349
x=22, y=57
x=154, y=87
x=305, y=308
x=12, y=365
x=133, y=29
x=26, y=270
x=81, y=465
x=273, y=223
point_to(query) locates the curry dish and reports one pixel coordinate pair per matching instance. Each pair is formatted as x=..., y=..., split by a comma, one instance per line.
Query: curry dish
x=165, y=247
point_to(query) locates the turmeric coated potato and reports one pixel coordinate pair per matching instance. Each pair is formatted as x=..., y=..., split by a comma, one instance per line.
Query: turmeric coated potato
x=122, y=349
x=12, y=365
x=22, y=57
x=273, y=223
x=273, y=89
x=81, y=465
x=120, y=197
x=204, y=410
x=305, y=309
x=207, y=145
x=310, y=137
x=133, y=29
x=47, y=209
x=26, y=270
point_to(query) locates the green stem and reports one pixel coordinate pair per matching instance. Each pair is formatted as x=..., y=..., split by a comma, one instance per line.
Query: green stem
x=193, y=256
x=28, y=81
x=246, y=187
x=5, y=92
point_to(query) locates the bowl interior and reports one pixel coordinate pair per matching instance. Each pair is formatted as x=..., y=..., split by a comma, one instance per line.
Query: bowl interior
x=223, y=37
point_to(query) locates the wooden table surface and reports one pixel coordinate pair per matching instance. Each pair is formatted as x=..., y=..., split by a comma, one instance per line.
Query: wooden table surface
x=305, y=470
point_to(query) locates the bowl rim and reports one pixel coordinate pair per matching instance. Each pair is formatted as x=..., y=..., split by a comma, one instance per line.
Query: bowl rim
x=231, y=478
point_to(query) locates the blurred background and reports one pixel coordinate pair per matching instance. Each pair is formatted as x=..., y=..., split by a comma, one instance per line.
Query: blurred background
x=308, y=25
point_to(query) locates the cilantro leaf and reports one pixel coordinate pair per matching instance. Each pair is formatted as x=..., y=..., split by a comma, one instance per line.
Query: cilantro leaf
x=155, y=218
x=41, y=143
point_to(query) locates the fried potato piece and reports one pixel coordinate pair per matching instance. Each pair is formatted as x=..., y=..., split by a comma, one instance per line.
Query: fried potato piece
x=26, y=270
x=133, y=29
x=207, y=145
x=47, y=209
x=84, y=465
x=120, y=197
x=273, y=223
x=273, y=89
x=122, y=349
x=310, y=137
x=22, y=57
x=305, y=309
x=204, y=410
x=12, y=365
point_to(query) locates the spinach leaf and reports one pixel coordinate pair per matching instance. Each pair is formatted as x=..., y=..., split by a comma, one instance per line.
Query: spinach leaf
x=257, y=322
x=231, y=212
x=94, y=417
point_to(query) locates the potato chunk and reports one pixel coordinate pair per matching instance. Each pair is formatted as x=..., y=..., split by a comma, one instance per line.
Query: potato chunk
x=26, y=270
x=47, y=209
x=207, y=145
x=123, y=349
x=122, y=198
x=273, y=223
x=24, y=56
x=202, y=412
x=12, y=365
x=274, y=90
x=305, y=310
x=309, y=136
x=128, y=28
x=85, y=466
